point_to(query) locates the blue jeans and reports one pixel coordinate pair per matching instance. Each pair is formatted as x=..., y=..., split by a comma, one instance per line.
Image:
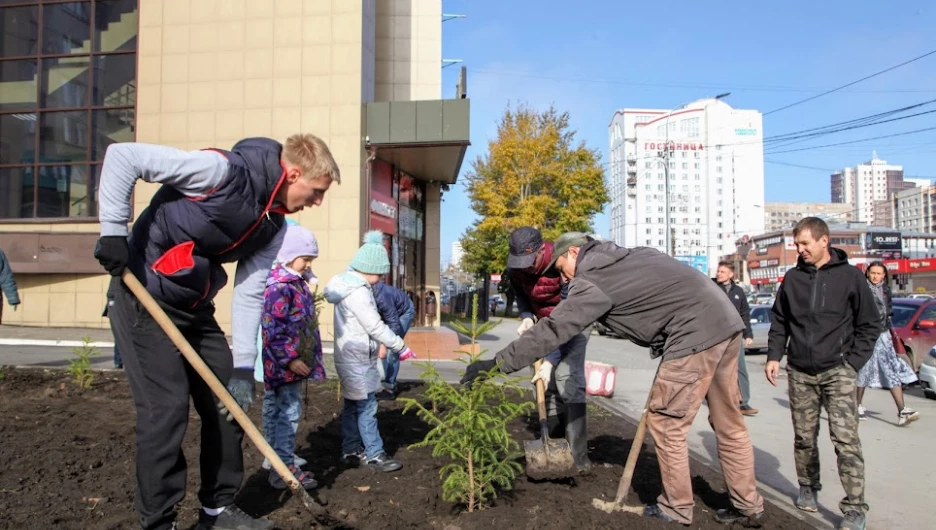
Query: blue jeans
x=743, y=380
x=359, y=427
x=282, y=408
x=391, y=364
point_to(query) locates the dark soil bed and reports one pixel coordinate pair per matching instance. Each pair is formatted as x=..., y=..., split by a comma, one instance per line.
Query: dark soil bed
x=67, y=461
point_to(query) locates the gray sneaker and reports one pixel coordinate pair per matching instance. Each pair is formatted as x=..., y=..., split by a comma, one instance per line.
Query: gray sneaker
x=383, y=463
x=806, y=500
x=853, y=520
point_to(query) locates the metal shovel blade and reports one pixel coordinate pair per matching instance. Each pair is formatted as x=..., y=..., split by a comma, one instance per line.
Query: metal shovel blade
x=548, y=458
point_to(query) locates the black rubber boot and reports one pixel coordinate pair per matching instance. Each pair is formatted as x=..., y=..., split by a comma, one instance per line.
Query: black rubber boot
x=576, y=432
x=556, y=425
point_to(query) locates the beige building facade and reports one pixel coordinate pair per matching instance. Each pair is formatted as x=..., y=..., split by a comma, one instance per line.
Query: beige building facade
x=780, y=216
x=208, y=73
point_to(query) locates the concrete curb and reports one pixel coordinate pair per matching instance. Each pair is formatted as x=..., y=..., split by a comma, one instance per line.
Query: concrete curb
x=771, y=495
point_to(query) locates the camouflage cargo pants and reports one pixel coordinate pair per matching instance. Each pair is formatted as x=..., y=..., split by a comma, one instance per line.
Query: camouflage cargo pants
x=834, y=389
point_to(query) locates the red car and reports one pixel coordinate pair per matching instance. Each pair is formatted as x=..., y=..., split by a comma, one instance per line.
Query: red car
x=914, y=321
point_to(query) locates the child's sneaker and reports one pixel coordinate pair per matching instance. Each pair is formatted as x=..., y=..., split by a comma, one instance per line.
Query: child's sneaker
x=906, y=416
x=353, y=459
x=384, y=463
x=298, y=461
x=407, y=354
x=862, y=413
x=308, y=483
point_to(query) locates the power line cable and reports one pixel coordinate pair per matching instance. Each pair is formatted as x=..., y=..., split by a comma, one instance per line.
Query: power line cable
x=852, y=142
x=827, y=92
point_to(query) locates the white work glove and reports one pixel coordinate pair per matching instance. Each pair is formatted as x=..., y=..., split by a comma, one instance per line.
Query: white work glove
x=544, y=373
x=525, y=325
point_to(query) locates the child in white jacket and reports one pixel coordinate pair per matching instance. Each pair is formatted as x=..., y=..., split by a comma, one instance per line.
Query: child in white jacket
x=359, y=331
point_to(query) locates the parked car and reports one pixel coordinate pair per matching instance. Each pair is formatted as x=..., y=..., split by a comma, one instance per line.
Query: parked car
x=928, y=374
x=914, y=321
x=760, y=326
x=764, y=299
x=921, y=296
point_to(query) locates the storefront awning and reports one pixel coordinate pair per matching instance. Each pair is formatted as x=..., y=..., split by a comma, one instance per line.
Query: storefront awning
x=425, y=139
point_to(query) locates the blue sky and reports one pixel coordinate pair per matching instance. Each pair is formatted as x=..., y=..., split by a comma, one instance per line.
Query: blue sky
x=592, y=57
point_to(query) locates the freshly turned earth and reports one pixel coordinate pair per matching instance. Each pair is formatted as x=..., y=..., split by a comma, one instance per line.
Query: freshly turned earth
x=67, y=461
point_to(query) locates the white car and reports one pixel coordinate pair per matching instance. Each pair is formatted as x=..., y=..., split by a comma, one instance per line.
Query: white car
x=928, y=374
x=760, y=326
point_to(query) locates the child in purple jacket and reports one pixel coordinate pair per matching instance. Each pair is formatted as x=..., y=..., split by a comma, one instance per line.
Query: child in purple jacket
x=292, y=347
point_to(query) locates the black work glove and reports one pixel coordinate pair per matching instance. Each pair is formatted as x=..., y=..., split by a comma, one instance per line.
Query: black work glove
x=113, y=252
x=241, y=387
x=477, y=369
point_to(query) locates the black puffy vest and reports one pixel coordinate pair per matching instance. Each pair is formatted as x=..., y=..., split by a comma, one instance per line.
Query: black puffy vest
x=178, y=244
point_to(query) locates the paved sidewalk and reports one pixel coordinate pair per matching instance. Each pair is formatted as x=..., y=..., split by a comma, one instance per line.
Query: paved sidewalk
x=35, y=336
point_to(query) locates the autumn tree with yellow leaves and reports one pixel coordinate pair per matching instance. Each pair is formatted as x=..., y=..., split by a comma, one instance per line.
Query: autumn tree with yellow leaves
x=534, y=174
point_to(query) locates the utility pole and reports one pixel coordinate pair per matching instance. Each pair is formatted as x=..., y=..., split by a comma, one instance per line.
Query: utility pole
x=670, y=246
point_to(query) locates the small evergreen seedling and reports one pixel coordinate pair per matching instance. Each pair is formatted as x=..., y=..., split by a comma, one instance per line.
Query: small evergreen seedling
x=80, y=367
x=470, y=427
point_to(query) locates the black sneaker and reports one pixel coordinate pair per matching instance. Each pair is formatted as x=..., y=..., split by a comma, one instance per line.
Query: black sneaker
x=353, y=459
x=653, y=511
x=232, y=518
x=806, y=500
x=383, y=463
x=732, y=515
x=385, y=395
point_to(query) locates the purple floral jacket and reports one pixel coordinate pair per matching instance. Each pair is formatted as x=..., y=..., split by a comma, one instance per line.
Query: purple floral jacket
x=289, y=329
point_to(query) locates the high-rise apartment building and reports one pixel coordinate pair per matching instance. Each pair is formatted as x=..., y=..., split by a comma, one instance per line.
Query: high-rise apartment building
x=715, y=164
x=862, y=185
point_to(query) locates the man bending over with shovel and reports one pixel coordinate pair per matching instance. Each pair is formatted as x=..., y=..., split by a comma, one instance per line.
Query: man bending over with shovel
x=683, y=317
x=213, y=207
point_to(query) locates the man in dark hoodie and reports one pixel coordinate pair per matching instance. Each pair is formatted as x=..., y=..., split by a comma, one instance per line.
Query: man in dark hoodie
x=724, y=277
x=683, y=317
x=214, y=207
x=826, y=321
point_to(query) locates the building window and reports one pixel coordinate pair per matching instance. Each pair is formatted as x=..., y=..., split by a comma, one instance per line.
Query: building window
x=67, y=91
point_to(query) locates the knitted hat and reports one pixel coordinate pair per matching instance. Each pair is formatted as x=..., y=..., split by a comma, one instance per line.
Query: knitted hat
x=297, y=241
x=372, y=258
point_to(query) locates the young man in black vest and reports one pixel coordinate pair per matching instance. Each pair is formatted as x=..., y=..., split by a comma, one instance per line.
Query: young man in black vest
x=213, y=207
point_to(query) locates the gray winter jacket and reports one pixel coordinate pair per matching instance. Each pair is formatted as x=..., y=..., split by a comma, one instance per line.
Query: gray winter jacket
x=640, y=293
x=358, y=330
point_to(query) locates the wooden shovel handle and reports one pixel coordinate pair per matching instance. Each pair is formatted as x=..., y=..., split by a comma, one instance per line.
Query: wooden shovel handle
x=540, y=392
x=210, y=378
